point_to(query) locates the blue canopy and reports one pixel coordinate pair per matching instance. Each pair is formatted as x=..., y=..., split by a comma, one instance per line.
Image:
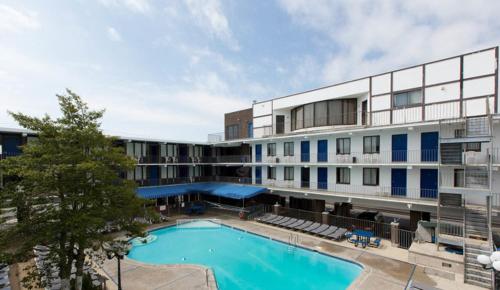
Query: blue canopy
x=234, y=191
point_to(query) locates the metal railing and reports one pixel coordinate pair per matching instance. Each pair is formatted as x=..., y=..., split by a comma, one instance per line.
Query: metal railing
x=465, y=127
x=4, y=155
x=356, y=190
x=193, y=179
x=216, y=137
x=467, y=178
x=193, y=159
x=382, y=157
x=379, y=229
x=452, y=229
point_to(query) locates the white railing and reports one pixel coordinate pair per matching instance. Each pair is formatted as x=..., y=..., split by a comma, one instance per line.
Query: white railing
x=216, y=137
x=382, y=157
x=199, y=223
x=354, y=189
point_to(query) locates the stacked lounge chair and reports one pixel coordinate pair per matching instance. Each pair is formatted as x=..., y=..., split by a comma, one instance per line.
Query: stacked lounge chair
x=314, y=228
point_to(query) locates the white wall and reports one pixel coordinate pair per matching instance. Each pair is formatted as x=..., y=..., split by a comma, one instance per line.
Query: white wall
x=478, y=64
x=381, y=84
x=407, y=79
x=442, y=71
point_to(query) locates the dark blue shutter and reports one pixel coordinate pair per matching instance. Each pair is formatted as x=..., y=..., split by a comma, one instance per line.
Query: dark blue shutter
x=11, y=145
x=428, y=183
x=322, y=177
x=153, y=178
x=258, y=153
x=399, y=148
x=304, y=151
x=258, y=175
x=398, y=181
x=429, y=146
x=322, y=150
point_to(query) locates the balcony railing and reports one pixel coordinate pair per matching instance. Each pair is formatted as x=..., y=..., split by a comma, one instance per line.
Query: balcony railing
x=9, y=154
x=471, y=178
x=192, y=179
x=193, y=159
x=216, y=137
x=465, y=128
x=353, y=189
x=383, y=157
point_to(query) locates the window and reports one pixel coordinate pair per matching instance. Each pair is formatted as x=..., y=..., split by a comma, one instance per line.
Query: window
x=271, y=173
x=343, y=175
x=288, y=148
x=473, y=146
x=321, y=114
x=308, y=115
x=343, y=146
x=271, y=149
x=370, y=176
x=288, y=173
x=250, y=130
x=280, y=124
x=233, y=131
x=407, y=99
x=333, y=112
x=371, y=144
x=459, y=178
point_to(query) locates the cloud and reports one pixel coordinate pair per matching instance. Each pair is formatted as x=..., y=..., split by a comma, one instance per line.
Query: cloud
x=14, y=20
x=113, y=34
x=369, y=37
x=210, y=17
x=138, y=6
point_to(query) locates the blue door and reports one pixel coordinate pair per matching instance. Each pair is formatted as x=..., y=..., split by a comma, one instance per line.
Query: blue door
x=258, y=175
x=429, y=146
x=398, y=181
x=153, y=175
x=428, y=183
x=304, y=151
x=322, y=177
x=11, y=145
x=399, y=147
x=258, y=153
x=322, y=150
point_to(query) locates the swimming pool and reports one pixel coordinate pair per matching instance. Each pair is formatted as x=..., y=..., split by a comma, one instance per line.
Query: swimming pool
x=242, y=260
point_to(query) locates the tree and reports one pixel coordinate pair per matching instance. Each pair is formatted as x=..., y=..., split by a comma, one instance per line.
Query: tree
x=67, y=189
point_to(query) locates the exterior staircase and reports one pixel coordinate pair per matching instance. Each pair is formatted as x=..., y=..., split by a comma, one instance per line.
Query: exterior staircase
x=476, y=243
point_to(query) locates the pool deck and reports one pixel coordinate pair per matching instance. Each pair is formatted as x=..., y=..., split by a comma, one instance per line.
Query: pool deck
x=385, y=268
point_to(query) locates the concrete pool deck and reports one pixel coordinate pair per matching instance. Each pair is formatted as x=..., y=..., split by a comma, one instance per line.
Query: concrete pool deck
x=385, y=268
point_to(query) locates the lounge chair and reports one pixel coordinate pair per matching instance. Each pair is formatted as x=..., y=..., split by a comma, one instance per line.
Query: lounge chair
x=285, y=219
x=319, y=229
x=275, y=219
x=296, y=224
x=328, y=231
x=311, y=227
x=265, y=217
x=303, y=225
x=289, y=222
x=338, y=234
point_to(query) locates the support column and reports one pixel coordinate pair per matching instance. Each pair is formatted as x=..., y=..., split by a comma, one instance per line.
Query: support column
x=276, y=209
x=325, y=218
x=394, y=234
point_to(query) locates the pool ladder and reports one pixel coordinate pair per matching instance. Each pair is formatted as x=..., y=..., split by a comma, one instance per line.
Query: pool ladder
x=293, y=241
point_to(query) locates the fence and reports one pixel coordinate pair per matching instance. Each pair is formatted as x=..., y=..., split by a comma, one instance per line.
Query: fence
x=403, y=238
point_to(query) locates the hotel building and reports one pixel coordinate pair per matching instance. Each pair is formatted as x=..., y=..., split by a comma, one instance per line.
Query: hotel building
x=420, y=142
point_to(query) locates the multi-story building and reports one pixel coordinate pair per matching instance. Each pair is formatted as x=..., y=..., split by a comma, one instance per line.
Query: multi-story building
x=418, y=141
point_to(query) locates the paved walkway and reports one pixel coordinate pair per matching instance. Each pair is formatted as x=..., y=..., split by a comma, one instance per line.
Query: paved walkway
x=385, y=268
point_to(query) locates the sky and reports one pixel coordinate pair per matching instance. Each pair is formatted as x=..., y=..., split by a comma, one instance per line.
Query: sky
x=171, y=69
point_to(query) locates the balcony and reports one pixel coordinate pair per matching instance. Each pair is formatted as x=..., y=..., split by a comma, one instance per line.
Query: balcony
x=464, y=180
x=193, y=179
x=351, y=190
x=383, y=157
x=461, y=130
x=193, y=159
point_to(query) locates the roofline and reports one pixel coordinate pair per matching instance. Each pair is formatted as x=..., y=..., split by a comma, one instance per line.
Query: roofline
x=378, y=74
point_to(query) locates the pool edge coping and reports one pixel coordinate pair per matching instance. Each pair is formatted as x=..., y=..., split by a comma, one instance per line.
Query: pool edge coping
x=365, y=270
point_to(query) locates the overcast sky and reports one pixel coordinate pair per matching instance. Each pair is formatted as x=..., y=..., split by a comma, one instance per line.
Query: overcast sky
x=170, y=69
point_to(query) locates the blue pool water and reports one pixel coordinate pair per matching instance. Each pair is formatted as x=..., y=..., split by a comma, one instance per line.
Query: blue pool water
x=245, y=261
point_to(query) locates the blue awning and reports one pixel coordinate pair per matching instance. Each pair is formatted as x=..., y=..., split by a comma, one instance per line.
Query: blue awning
x=234, y=191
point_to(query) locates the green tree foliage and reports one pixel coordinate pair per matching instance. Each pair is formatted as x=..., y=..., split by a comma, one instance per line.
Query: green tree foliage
x=67, y=188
